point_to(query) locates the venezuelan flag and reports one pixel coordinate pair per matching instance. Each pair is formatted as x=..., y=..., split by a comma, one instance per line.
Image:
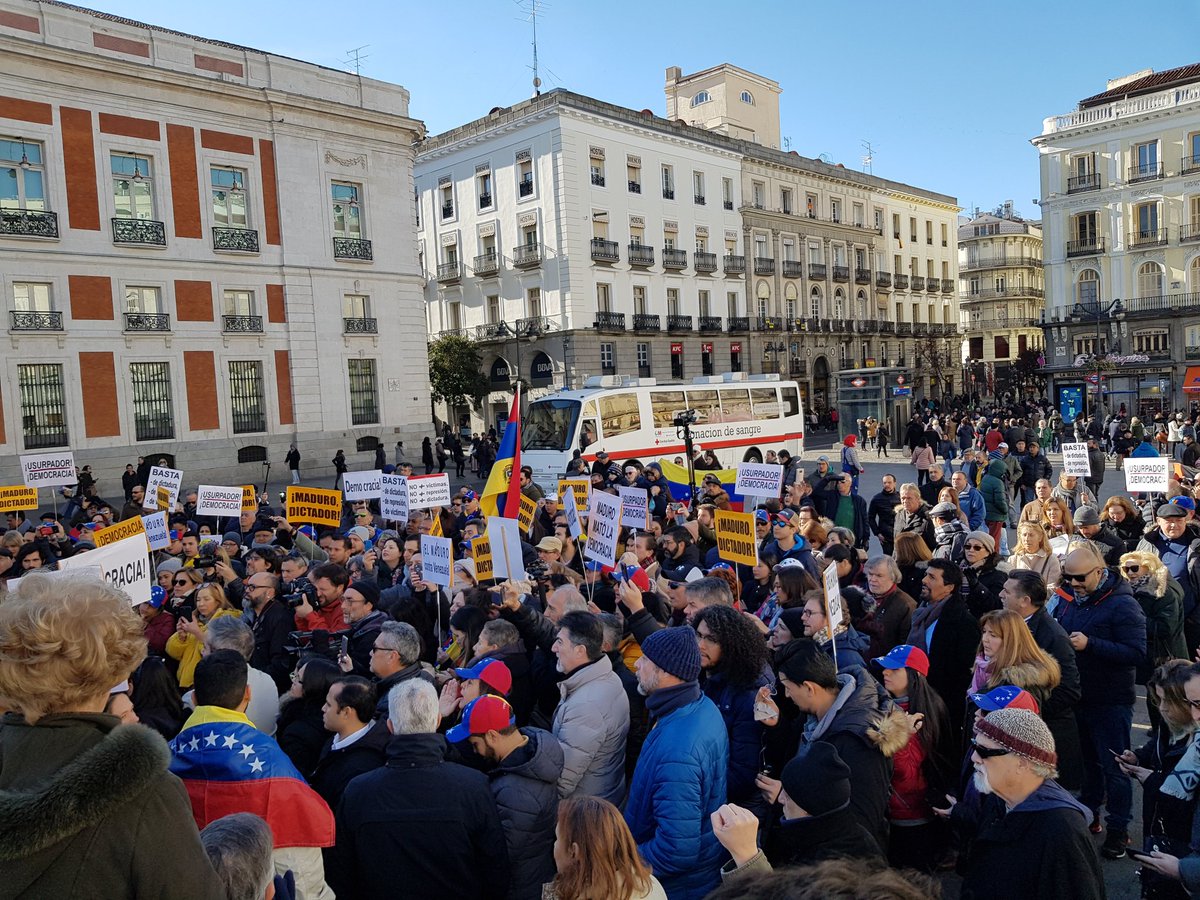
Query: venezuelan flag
x=502, y=494
x=677, y=478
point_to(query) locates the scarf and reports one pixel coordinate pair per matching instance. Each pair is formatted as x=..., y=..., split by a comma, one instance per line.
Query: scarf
x=1140, y=582
x=1181, y=782
x=822, y=637
x=979, y=676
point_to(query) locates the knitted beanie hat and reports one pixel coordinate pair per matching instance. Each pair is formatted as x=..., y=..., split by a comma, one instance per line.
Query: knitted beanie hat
x=1022, y=732
x=817, y=779
x=674, y=650
x=793, y=620
x=369, y=591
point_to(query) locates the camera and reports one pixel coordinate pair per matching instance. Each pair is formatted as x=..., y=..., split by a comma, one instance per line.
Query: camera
x=685, y=417
x=537, y=570
x=296, y=592
x=207, y=561
x=318, y=643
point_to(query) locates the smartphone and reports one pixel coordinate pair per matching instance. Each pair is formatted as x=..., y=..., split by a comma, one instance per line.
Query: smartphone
x=497, y=596
x=345, y=646
x=45, y=531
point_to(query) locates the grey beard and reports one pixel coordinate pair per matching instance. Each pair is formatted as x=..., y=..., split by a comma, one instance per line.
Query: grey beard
x=981, y=782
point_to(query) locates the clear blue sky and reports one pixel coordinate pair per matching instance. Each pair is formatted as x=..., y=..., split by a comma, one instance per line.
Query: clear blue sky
x=948, y=92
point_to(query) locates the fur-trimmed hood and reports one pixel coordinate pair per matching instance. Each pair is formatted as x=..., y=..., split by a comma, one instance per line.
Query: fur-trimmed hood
x=1027, y=676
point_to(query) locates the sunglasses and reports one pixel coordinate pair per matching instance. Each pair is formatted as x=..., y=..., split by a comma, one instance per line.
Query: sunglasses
x=1077, y=576
x=974, y=547
x=182, y=581
x=675, y=585
x=989, y=752
x=1131, y=570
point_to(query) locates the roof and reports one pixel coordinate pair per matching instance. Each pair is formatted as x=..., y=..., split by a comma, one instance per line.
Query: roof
x=1155, y=81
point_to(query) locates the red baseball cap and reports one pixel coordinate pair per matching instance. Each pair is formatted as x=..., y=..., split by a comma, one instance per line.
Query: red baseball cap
x=483, y=714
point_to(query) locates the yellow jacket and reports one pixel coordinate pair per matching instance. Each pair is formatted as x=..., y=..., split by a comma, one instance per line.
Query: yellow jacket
x=186, y=649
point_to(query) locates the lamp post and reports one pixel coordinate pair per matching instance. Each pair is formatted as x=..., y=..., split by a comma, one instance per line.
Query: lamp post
x=773, y=349
x=1099, y=311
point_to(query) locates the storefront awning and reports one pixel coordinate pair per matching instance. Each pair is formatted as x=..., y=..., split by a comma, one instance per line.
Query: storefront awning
x=1191, y=379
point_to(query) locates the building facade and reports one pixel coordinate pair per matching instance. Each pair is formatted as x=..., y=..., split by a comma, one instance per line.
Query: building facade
x=208, y=253
x=1120, y=183
x=1002, y=298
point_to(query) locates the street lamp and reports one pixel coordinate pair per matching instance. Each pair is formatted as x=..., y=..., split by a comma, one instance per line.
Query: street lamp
x=1098, y=310
x=773, y=349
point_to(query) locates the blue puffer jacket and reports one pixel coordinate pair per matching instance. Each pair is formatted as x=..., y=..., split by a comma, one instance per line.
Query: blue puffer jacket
x=677, y=785
x=736, y=705
x=1115, y=627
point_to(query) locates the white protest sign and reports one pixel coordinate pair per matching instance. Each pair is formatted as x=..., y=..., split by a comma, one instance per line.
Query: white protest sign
x=604, y=524
x=124, y=564
x=156, y=530
x=436, y=560
x=1075, y=460
x=49, y=469
x=425, y=491
x=759, y=479
x=393, y=498
x=1147, y=473
x=504, y=536
x=170, y=479
x=635, y=507
x=362, y=485
x=833, y=596
x=217, y=500
x=571, y=514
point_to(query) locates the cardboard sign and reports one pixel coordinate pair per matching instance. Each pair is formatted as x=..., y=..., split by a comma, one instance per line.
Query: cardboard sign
x=162, y=498
x=156, y=530
x=393, y=497
x=435, y=525
x=759, y=479
x=217, y=500
x=362, y=485
x=1075, y=460
x=425, y=491
x=481, y=552
x=736, y=541
x=526, y=513
x=120, y=531
x=18, y=498
x=437, y=560
x=170, y=479
x=1147, y=473
x=571, y=514
x=49, y=469
x=505, y=537
x=833, y=597
x=249, y=498
x=317, y=506
x=635, y=507
x=604, y=525
x=124, y=564
x=580, y=488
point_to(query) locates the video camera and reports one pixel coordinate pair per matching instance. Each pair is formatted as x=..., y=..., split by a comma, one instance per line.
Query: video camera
x=295, y=592
x=685, y=417
x=537, y=571
x=318, y=643
x=206, y=560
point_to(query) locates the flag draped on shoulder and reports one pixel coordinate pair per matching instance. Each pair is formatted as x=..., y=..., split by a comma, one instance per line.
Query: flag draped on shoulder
x=676, y=477
x=229, y=766
x=502, y=494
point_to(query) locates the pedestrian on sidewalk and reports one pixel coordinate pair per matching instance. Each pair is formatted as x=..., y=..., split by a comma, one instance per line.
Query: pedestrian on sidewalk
x=293, y=463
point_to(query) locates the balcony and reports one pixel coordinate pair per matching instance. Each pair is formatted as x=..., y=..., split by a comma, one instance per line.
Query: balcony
x=883, y=281
x=734, y=264
x=360, y=325
x=28, y=223
x=139, y=231
x=918, y=282
x=932, y=284
x=447, y=210
x=605, y=251
x=1016, y=292
x=241, y=324
x=728, y=204
x=817, y=271
x=492, y=331
x=1002, y=261
x=887, y=327
x=903, y=329
x=352, y=248
x=739, y=324
x=1189, y=164
x=901, y=282
x=597, y=179
x=1191, y=352
x=947, y=285
x=527, y=256
x=641, y=255
x=920, y=329
x=609, y=321
x=533, y=326
x=449, y=273
x=48, y=320
x=703, y=261
x=841, y=273
x=668, y=193
x=710, y=324
x=1156, y=238
x=525, y=187
x=1090, y=246
x=1078, y=183
x=1144, y=172
x=485, y=200
x=798, y=368
x=1188, y=233
x=698, y=199
x=646, y=322
x=453, y=332
x=677, y=324
x=770, y=323
x=764, y=265
x=862, y=276
x=137, y=321
x=241, y=240
x=635, y=187
x=867, y=326
x=793, y=268
x=486, y=264
x=674, y=259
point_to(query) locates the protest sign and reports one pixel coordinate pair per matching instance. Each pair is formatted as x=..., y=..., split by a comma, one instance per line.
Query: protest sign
x=526, y=513
x=1146, y=473
x=635, y=507
x=217, y=500
x=49, y=469
x=169, y=479
x=1075, y=460
x=362, y=485
x=571, y=514
x=604, y=525
x=579, y=489
x=18, y=498
x=759, y=479
x=833, y=597
x=113, y=533
x=505, y=537
x=435, y=526
x=393, y=497
x=317, y=506
x=249, y=498
x=736, y=541
x=162, y=498
x=156, y=530
x=124, y=564
x=425, y=491
x=436, y=560
x=481, y=552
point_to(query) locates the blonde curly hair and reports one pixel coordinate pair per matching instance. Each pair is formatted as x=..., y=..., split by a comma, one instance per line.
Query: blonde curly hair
x=65, y=640
x=1151, y=564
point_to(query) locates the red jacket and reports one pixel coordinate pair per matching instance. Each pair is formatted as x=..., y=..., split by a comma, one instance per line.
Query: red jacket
x=158, y=632
x=909, y=787
x=327, y=617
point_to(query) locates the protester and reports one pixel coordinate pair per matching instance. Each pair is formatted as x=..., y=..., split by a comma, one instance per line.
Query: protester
x=883, y=613
x=1033, y=553
x=357, y=741
x=240, y=848
x=1175, y=539
x=596, y=857
x=185, y=644
x=944, y=629
x=230, y=633
x=912, y=554
x=301, y=730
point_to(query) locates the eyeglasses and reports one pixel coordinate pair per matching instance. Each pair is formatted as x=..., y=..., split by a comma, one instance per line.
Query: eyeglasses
x=989, y=752
x=809, y=613
x=1194, y=704
x=675, y=585
x=1078, y=576
x=377, y=649
x=1131, y=570
x=631, y=471
x=974, y=547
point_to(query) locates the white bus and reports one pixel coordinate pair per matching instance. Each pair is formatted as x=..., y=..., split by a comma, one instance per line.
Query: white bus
x=738, y=416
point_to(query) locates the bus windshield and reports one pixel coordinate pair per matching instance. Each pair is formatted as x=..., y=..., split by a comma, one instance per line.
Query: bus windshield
x=550, y=425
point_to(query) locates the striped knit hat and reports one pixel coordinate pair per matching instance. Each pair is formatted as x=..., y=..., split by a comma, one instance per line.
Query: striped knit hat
x=1022, y=732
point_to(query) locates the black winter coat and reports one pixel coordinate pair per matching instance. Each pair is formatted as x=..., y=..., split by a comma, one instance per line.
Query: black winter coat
x=301, y=734
x=1058, y=712
x=525, y=785
x=521, y=697
x=1116, y=631
x=952, y=654
x=985, y=586
x=917, y=522
x=337, y=768
x=835, y=835
x=881, y=515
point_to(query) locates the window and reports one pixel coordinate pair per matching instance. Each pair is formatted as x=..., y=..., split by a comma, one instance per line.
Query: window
x=702, y=97
x=454, y=316
x=493, y=309
x=785, y=200
x=643, y=360
x=668, y=183
x=835, y=209
x=229, y=197
x=759, y=192
x=634, y=172
x=664, y=405
x=1191, y=149
x=1083, y=165
x=896, y=226
x=533, y=303
x=706, y=359
x=525, y=178
x=347, y=218
x=153, y=415
x=1152, y=341
x=1085, y=227
x=747, y=97
x=133, y=194
x=879, y=220
x=1000, y=347
x=639, y=300
x=608, y=364
x=859, y=221
x=672, y=301
x=1191, y=336
x=356, y=306
x=1150, y=280
x=1147, y=220
x=735, y=357
x=596, y=165
x=705, y=304
x=246, y=402
x=22, y=183
x=698, y=187
x=945, y=235
x=727, y=192
x=814, y=304
x=364, y=392
x=1194, y=276
x=1145, y=158
x=912, y=229
x=1194, y=212
x=143, y=300
x=604, y=297
x=619, y=414
x=43, y=405
x=760, y=246
x=529, y=236
x=928, y=232
x=731, y=303
x=1087, y=288
x=238, y=303
x=810, y=205
x=32, y=297
x=483, y=185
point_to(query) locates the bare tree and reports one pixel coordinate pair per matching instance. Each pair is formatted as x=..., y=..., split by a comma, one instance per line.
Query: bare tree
x=932, y=356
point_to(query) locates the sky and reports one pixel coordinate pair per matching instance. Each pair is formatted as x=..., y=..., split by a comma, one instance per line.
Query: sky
x=947, y=93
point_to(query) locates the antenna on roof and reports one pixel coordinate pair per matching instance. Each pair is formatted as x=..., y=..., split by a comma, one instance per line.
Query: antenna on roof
x=532, y=7
x=868, y=159
x=826, y=158
x=355, y=57
x=787, y=143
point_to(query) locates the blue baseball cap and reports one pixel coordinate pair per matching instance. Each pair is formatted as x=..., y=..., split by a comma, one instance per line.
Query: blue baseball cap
x=481, y=715
x=469, y=494
x=761, y=515
x=1185, y=502
x=720, y=565
x=905, y=656
x=157, y=597
x=594, y=566
x=1006, y=697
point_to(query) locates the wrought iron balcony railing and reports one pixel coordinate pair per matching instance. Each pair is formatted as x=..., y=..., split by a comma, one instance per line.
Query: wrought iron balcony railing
x=139, y=231
x=674, y=259
x=738, y=324
x=242, y=324
x=527, y=256
x=641, y=255
x=710, y=324
x=646, y=322
x=609, y=321
x=703, y=261
x=449, y=272
x=139, y=321
x=244, y=240
x=1079, y=183
x=28, y=223
x=734, y=264
x=51, y=320
x=679, y=323
x=486, y=264
x=360, y=326
x=764, y=265
x=605, y=251
x=352, y=248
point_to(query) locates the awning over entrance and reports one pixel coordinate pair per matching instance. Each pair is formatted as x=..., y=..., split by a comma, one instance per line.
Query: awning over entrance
x=1191, y=379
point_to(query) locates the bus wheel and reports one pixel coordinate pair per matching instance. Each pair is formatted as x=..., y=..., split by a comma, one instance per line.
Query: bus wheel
x=752, y=456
